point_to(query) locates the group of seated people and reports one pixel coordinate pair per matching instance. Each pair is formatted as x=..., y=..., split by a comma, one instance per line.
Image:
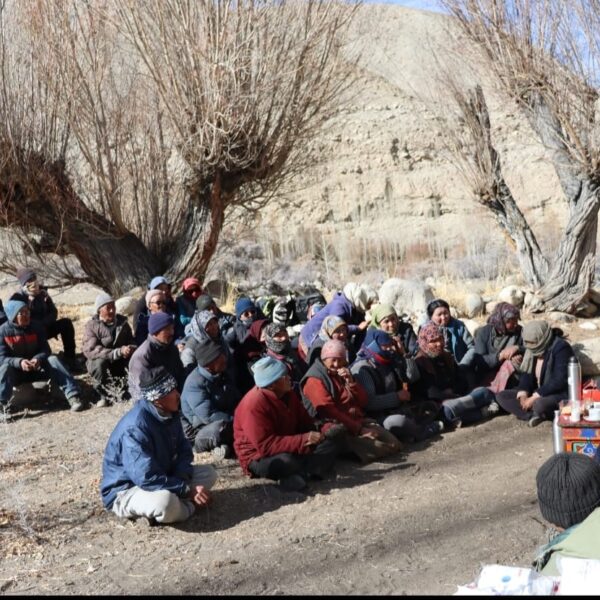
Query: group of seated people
x=357, y=382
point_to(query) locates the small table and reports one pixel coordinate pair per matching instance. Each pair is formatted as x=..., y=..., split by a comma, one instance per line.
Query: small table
x=582, y=437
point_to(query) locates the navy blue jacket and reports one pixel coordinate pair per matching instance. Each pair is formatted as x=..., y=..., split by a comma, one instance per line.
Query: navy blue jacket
x=149, y=451
x=207, y=398
x=554, y=371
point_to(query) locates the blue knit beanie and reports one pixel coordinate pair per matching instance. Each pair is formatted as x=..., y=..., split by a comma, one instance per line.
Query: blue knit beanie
x=267, y=370
x=159, y=321
x=243, y=304
x=157, y=281
x=12, y=309
x=376, y=338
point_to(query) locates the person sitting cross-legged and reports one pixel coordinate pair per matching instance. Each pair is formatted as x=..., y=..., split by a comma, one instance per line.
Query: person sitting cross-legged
x=25, y=356
x=274, y=437
x=108, y=346
x=147, y=469
x=208, y=401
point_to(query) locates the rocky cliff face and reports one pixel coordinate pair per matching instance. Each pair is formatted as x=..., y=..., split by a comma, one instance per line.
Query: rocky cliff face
x=383, y=170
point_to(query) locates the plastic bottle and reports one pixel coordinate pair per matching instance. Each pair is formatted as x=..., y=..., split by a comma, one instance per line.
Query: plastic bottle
x=557, y=436
x=574, y=381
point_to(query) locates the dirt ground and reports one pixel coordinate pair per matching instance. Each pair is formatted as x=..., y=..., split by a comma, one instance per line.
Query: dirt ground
x=418, y=523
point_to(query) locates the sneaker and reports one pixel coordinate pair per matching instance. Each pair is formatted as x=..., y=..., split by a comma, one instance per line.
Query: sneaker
x=75, y=403
x=292, y=483
x=490, y=411
x=535, y=421
x=221, y=452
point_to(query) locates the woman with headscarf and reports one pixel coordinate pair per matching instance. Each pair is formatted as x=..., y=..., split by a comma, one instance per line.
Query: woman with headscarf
x=384, y=317
x=333, y=328
x=331, y=394
x=499, y=342
x=203, y=327
x=279, y=346
x=351, y=304
x=186, y=301
x=544, y=372
x=382, y=371
x=440, y=381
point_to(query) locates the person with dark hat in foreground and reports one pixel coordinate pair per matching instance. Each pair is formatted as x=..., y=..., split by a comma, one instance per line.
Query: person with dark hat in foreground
x=147, y=469
x=208, y=401
x=108, y=345
x=25, y=356
x=568, y=490
x=44, y=312
x=157, y=350
x=274, y=437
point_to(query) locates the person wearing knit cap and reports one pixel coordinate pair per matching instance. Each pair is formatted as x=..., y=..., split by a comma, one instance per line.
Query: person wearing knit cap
x=143, y=309
x=226, y=320
x=147, y=471
x=568, y=491
x=191, y=289
x=384, y=317
x=208, y=401
x=383, y=373
x=543, y=375
x=274, y=437
x=330, y=393
x=350, y=305
x=44, y=313
x=157, y=350
x=25, y=357
x=279, y=346
x=108, y=344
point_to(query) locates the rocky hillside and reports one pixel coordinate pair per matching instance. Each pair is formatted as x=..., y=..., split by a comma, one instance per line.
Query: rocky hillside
x=384, y=171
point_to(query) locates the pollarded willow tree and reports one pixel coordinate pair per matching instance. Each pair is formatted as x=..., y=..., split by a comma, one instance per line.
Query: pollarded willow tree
x=129, y=129
x=545, y=55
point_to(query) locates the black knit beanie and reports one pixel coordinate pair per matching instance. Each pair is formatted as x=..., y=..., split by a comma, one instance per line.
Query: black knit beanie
x=568, y=488
x=207, y=351
x=204, y=302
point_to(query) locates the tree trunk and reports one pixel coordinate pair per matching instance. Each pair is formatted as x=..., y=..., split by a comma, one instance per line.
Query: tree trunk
x=37, y=196
x=572, y=273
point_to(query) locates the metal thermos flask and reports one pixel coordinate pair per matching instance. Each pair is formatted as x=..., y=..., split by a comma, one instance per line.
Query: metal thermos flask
x=557, y=436
x=574, y=380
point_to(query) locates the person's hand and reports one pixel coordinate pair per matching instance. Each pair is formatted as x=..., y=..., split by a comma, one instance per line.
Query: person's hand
x=345, y=374
x=508, y=353
x=313, y=438
x=362, y=326
x=403, y=395
x=400, y=349
x=368, y=432
x=126, y=351
x=35, y=364
x=26, y=365
x=200, y=496
x=180, y=347
x=517, y=360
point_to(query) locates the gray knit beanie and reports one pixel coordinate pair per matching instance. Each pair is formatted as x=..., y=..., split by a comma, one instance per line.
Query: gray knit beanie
x=568, y=488
x=101, y=299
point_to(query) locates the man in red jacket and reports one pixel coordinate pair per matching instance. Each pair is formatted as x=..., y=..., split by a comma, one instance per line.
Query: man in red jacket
x=274, y=437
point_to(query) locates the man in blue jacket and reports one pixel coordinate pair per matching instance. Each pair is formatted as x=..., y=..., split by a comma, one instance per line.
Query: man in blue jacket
x=147, y=469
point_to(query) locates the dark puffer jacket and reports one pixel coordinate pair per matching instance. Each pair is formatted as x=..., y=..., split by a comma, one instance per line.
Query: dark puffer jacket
x=102, y=341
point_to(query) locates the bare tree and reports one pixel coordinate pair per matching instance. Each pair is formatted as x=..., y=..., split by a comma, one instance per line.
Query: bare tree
x=545, y=55
x=168, y=115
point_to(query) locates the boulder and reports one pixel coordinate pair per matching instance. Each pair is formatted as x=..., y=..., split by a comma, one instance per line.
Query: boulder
x=561, y=317
x=586, y=309
x=472, y=325
x=513, y=295
x=588, y=354
x=474, y=305
x=410, y=297
x=126, y=305
x=490, y=306
x=533, y=303
x=589, y=326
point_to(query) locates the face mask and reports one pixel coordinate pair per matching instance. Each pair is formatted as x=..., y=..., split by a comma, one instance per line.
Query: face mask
x=279, y=347
x=248, y=321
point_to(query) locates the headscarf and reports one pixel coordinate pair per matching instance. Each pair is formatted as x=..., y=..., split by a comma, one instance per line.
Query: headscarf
x=281, y=348
x=361, y=296
x=330, y=324
x=503, y=311
x=191, y=282
x=537, y=336
x=198, y=324
x=151, y=293
x=372, y=346
x=380, y=312
x=429, y=332
x=334, y=349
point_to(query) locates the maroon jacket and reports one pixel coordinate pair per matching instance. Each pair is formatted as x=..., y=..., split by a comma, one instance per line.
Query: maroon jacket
x=264, y=425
